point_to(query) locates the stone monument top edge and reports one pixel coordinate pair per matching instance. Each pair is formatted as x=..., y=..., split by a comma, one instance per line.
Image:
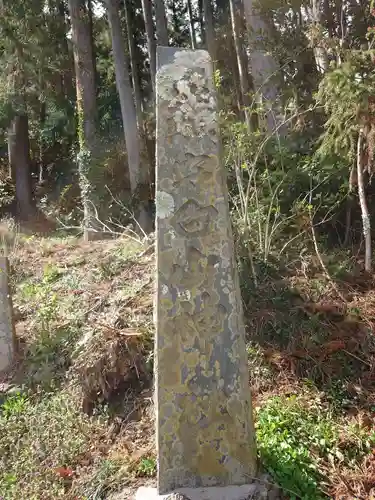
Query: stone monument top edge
x=166, y=55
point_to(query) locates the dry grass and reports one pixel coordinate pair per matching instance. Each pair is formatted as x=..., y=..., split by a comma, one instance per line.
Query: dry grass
x=302, y=337
x=84, y=320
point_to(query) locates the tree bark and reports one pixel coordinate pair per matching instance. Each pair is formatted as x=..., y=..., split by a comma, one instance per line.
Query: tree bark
x=67, y=76
x=129, y=118
x=138, y=176
x=92, y=38
x=85, y=69
x=193, y=38
x=237, y=25
x=320, y=53
x=86, y=110
x=150, y=35
x=363, y=203
x=19, y=159
x=133, y=63
x=263, y=65
x=201, y=23
x=161, y=23
x=42, y=121
x=209, y=29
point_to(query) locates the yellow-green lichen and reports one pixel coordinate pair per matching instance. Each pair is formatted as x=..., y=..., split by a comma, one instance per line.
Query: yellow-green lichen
x=204, y=423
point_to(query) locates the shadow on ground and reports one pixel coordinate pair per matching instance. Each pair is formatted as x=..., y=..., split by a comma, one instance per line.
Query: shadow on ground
x=311, y=348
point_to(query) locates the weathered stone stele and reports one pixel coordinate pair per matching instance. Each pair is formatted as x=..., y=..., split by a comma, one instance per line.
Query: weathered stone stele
x=204, y=425
x=7, y=338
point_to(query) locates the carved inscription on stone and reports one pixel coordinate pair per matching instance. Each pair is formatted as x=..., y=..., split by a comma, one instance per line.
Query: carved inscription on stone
x=204, y=422
x=192, y=219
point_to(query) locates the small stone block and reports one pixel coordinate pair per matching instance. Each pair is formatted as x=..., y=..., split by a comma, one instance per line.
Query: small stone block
x=7, y=336
x=243, y=492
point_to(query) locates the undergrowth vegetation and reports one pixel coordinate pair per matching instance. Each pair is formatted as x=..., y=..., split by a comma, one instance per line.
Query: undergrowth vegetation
x=300, y=441
x=78, y=406
x=76, y=419
x=83, y=324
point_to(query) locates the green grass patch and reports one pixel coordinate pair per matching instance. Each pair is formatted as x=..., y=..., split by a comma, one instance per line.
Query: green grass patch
x=147, y=467
x=36, y=438
x=299, y=438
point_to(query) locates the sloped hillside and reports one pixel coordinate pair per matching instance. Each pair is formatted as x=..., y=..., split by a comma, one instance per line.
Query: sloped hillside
x=76, y=415
x=76, y=419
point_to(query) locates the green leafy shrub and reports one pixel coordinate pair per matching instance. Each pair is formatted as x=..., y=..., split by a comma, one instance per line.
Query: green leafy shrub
x=147, y=467
x=296, y=436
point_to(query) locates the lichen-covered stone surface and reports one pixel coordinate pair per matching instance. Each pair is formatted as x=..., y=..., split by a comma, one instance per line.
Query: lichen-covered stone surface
x=205, y=432
x=6, y=324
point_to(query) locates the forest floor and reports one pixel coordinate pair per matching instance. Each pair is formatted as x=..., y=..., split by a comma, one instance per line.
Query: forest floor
x=76, y=416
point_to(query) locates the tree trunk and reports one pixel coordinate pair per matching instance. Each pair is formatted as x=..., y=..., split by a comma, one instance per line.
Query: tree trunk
x=363, y=203
x=150, y=35
x=201, y=23
x=92, y=38
x=263, y=65
x=137, y=86
x=85, y=69
x=193, y=38
x=86, y=110
x=129, y=118
x=137, y=176
x=237, y=24
x=42, y=121
x=161, y=23
x=233, y=69
x=133, y=63
x=19, y=159
x=353, y=181
x=67, y=76
x=209, y=29
x=320, y=53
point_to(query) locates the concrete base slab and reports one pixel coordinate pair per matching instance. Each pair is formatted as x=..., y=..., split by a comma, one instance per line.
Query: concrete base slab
x=244, y=492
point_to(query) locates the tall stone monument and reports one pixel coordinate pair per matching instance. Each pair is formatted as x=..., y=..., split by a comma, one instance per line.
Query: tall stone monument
x=205, y=435
x=7, y=336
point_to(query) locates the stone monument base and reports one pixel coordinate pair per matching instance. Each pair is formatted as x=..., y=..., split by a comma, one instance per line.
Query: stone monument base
x=244, y=492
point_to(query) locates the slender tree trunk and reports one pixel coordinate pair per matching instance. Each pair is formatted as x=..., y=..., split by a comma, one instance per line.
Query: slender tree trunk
x=320, y=52
x=138, y=176
x=19, y=159
x=11, y=173
x=201, y=23
x=349, y=204
x=133, y=63
x=86, y=111
x=242, y=63
x=329, y=18
x=263, y=65
x=129, y=118
x=150, y=35
x=193, y=39
x=92, y=38
x=67, y=75
x=137, y=85
x=42, y=121
x=161, y=23
x=234, y=71
x=85, y=69
x=363, y=203
x=209, y=29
